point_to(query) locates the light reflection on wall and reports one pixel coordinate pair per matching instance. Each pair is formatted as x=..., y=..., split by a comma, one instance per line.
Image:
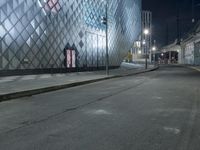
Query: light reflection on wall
x=38, y=31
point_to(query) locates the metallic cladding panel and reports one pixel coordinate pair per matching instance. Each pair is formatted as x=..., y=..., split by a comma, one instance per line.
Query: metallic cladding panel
x=34, y=33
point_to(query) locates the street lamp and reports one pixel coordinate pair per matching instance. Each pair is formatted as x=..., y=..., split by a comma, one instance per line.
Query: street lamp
x=146, y=32
x=143, y=42
x=154, y=48
x=105, y=22
x=162, y=57
x=107, y=55
x=154, y=53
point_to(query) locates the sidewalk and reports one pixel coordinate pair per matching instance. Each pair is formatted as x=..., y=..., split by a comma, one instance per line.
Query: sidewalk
x=20, y=86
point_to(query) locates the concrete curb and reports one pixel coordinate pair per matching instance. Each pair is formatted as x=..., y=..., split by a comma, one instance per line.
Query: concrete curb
x=194, y=68
x=10, y=96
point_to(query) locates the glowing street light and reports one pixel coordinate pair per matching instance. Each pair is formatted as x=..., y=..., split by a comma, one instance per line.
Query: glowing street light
x=153, y=48
x=143, y=42
x=146, y=31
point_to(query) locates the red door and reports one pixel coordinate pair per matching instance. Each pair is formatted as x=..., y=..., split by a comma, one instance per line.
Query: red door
x=71, y=58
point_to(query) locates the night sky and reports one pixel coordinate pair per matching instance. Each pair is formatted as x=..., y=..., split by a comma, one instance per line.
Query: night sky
x=164, y=18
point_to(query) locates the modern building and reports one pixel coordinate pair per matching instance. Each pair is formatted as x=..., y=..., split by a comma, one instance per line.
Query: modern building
x=146, y=25
x=144, y=42
x=60, y=35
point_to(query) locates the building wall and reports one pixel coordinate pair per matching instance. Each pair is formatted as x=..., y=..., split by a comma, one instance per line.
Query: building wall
x=197, y=53
x=189, y=53
x=35, y=34
x=147, y=24
x=191, y=46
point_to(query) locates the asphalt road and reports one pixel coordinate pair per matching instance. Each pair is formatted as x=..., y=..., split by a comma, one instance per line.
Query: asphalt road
x=159, y=110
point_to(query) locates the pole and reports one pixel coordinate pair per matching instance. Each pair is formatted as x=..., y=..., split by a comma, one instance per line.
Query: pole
x=193, y=13
x=154, y=58
x=154, y=52
x=145, y=53
x=107, y=55
x=178, y=22
x=167, y=33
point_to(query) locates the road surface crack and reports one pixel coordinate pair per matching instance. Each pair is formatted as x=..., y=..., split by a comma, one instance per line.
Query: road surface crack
x=29, y=123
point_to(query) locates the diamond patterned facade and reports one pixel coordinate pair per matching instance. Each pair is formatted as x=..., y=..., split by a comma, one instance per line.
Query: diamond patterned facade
x=41, y=34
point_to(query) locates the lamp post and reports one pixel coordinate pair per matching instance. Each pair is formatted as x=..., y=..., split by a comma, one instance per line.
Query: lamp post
x=104, y=20
x=154, y=49
x=107, y=54
x=154, y=54
x=163, y=57
x=146, y=32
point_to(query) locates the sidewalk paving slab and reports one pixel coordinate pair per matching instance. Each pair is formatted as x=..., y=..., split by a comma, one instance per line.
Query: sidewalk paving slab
x=13, y=87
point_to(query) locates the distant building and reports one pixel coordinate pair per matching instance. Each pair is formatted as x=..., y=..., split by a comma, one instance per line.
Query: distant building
x=188, y=51
x=144, y=42
x=147, y=24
